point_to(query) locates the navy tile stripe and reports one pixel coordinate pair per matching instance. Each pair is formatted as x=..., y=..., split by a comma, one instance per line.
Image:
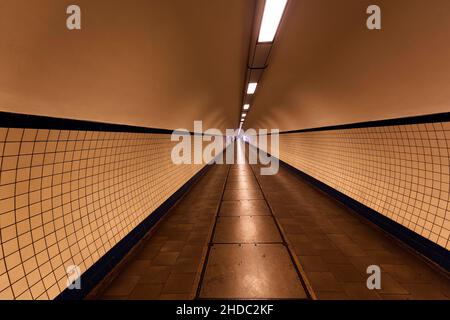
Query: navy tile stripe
x=17, y=120
x=423, y=119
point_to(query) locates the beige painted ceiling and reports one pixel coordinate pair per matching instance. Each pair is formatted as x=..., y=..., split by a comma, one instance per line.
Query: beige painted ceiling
x=326, y=68
x=153, y=63
x=166, y=63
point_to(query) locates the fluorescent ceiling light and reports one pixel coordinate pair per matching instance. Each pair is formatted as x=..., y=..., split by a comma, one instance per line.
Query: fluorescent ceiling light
x=244, y=115
x=246, y=106
x=242, y=120
x=273, y=11
x=251, y=87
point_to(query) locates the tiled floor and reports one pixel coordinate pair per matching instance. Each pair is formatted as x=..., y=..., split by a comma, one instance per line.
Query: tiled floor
x=249, y=220
x=248, y=258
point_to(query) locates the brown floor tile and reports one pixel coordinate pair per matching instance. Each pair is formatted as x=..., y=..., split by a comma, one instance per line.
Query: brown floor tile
x=324, y=244
x=246, y=229
x=241, y=185
x=331, y=295
x=174, y=296
x=250, y=271
x=359, y=291
x=298, y=238
x=113, y=297
x=244, y=208
x=390, y=286
x=352, y=250
x=340, y=239
x=323, y=281
x=346, y=273
x=424, y=291
x=407, y=274
x=121, y=286
x=386, y=257
x=333, y=257
x=247, y=194
x=180, y=283
x=192, y=251
x=187, y=265
x=136, y=267
x=305, y=249
x=385, y=296
x=313, y=263
x=155, y=275
x=165, y=259
x=173, y=246
x=145, y=292
x=148, y=252
x=361, y=263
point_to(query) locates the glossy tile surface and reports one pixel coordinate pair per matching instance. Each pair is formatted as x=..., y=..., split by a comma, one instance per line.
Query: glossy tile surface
x=251, y=271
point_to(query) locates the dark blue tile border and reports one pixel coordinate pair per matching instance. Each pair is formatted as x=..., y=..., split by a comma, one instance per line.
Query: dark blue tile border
x=422, y=119
x=424, y=246
x=18, y=120
x=91, y=277
x=421, y=244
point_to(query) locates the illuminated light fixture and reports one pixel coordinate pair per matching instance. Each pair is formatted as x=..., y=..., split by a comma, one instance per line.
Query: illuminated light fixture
x=251, y=87
x=244, y=115
x=273, y=11
x=242, y=120
x=246, y=106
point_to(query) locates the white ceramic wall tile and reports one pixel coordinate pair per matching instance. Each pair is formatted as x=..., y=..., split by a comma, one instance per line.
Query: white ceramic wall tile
x=401, y=172
x=67, y=197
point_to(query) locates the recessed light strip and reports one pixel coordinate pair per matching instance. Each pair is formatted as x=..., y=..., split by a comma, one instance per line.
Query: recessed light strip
x=272, y=14
x=273, y=11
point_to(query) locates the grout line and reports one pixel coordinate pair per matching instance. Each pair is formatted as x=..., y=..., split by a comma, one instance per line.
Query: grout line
x=210, y=243
x=297, y=265
x=199, y=275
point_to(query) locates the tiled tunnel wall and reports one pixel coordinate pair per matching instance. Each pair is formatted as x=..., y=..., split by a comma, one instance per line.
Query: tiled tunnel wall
x=67, y=197
x=400, y=171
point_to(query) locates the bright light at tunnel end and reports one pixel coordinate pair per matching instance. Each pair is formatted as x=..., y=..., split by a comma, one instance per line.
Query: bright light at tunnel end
x=273, y=11
x=208, y=146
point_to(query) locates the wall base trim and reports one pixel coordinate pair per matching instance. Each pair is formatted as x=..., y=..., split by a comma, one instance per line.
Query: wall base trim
x=424, y=246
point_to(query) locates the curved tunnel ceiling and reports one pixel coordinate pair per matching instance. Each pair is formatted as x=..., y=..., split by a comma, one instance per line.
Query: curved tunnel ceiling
x=327, y=68
x=157, y=64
